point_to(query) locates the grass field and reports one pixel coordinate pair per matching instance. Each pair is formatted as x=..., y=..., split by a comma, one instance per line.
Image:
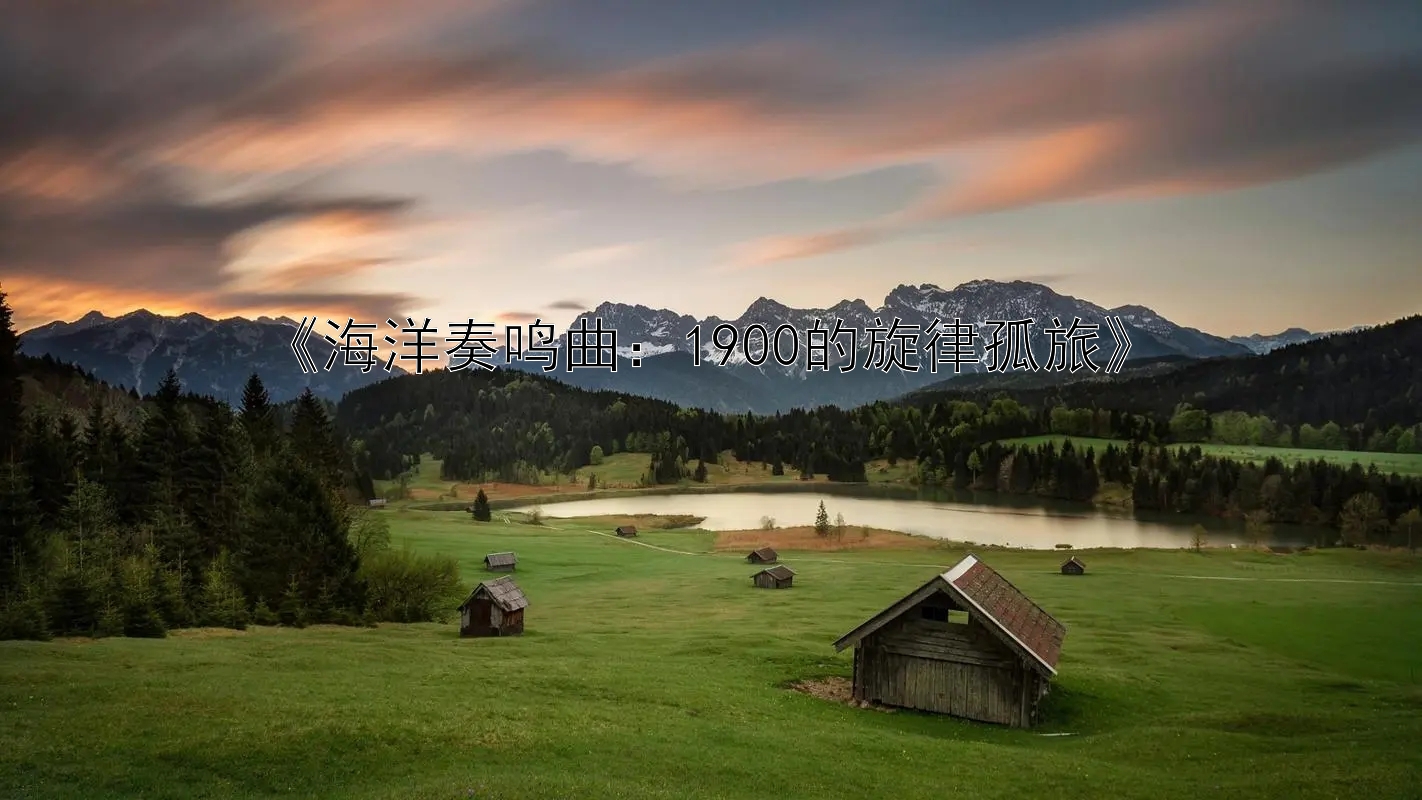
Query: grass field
x=653, y=669
x=618, y=472
x=1401, y=463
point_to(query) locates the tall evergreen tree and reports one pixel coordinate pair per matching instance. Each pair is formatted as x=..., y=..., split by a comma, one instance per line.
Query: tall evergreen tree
x=480, y=509
x=258, y=417
x=19, y=527
x=163, y=444
x=296, y=530
x=10, y=389
x=315, y=442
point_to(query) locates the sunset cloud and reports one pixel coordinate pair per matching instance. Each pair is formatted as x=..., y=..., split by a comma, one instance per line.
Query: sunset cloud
x=40, y=300
x=133, y=132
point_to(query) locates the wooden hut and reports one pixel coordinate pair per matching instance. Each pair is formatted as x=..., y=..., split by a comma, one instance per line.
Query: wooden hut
x=626, y=530
x=500, y=562
x=494, y=608
x=763, y=555
x=1072, y=566
x=966, y=643
x=776, y=577
x=378, y=502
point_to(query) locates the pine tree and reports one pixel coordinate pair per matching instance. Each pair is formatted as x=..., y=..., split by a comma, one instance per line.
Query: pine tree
x=700, y=474
x=19, y=527
x=165, y=443
x=258, y=417
x=481, y=510
x=822, y=523
x=314, y=441
x=297, y=526
x=221, y=603
x=10, y=388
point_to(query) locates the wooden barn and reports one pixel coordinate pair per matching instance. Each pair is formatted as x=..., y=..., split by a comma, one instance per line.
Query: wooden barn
x=764, y=555
x=1072, y=566
x=777, y=577
x=966, y=643
x=626, y=530
x=500, y=562
x=494, y=608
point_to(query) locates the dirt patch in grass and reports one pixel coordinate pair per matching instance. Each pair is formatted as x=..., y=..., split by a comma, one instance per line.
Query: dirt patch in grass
x=834, y=690
x=805, y=538
x=503, y=491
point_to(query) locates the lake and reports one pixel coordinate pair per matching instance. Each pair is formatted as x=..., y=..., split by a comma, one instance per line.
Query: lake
x=1004, y=522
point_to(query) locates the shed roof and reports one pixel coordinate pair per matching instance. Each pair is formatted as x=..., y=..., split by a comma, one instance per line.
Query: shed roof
x=503, y=591
x=767, y=553
x=1003, y=609
x=779, y=572
x=500, y=560
x=626, y=528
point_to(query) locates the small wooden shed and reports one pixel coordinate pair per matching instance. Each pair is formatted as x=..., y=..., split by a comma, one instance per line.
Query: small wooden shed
x=776, y=577
x=1073, y=566
x=763, y=555
x=500, y=562
x=966, y=643
x=378, y=502
x=626, y=530
x=494, y=608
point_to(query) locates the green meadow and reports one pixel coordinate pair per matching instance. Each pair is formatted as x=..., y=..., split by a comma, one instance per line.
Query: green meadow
x=652, y=669
x=1401, y=463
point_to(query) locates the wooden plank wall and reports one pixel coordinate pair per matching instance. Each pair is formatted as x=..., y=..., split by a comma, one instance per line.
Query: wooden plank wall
x=946, y=668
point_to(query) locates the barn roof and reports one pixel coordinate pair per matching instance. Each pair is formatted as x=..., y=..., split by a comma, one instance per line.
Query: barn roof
x=500, y=559
x=1070, y=560
x=767, y=553
x=1019, y=622
x=779, y=572
x=503, y=591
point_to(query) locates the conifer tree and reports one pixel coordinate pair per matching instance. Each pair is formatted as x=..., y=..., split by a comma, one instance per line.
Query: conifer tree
x=10, y=389
x=481, y=510
x=296, y=526
x=258, y=417
x=822, y=523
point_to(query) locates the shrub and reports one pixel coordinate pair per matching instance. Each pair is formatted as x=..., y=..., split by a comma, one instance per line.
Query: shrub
x=407, y=587
x=24, y=618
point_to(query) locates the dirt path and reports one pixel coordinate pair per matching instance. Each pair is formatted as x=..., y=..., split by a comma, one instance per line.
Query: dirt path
x=814, y=560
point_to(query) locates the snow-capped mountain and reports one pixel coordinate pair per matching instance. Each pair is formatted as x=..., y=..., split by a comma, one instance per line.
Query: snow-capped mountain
x=1261, y=343
x=215, y=357
x=771, y=384
x=212, y=357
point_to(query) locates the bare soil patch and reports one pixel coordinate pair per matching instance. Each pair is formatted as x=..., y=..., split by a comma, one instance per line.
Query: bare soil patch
x=833, y=689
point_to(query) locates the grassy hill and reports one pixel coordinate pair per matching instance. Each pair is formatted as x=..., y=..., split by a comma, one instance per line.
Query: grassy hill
x=1401, y=463
x=651, y=672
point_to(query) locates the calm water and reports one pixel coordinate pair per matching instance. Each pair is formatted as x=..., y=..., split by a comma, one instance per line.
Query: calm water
x=978, y=522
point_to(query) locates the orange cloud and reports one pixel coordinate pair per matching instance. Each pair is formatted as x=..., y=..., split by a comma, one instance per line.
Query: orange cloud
x=1054, y=166
x=36, y=301
x=789, y=248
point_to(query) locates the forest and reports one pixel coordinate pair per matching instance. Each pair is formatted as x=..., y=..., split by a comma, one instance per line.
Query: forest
x=1361, y=380
x=138, y=515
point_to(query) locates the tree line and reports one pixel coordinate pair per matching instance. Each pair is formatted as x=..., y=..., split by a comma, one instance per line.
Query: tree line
x=513, y=426
x=184, y=511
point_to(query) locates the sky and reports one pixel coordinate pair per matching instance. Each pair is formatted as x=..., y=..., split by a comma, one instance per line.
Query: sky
x=1238, y=167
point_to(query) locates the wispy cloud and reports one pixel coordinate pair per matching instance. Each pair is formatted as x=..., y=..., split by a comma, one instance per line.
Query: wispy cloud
x=600, y=257
x=115, y=111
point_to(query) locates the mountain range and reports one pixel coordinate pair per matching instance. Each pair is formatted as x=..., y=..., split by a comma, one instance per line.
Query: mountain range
x=216, y=356
x=213, y=357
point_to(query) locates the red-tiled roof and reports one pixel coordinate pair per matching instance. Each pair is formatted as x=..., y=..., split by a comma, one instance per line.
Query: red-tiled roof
x=1032, y=628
